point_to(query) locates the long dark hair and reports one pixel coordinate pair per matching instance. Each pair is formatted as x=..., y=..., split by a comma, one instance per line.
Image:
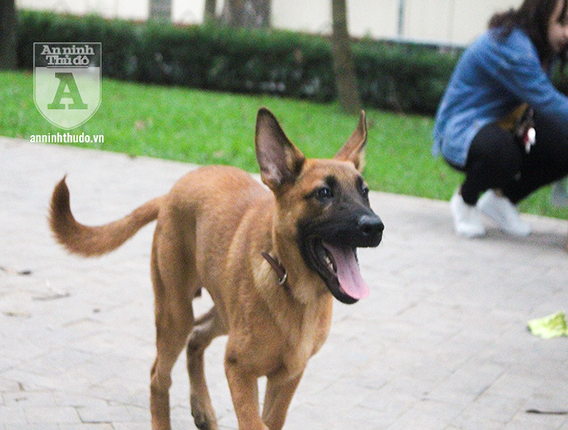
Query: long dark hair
x=533, y=17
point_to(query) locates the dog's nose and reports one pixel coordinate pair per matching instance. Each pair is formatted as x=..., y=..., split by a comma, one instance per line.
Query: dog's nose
x=371, y=227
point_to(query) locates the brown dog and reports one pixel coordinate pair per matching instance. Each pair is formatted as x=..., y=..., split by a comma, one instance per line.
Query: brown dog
x=271, y=261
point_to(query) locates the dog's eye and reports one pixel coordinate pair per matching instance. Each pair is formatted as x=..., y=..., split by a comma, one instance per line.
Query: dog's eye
x=324, y=193
x=363, y=188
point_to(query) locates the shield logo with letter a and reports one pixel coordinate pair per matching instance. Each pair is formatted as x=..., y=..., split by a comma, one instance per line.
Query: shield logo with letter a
x=67, y=81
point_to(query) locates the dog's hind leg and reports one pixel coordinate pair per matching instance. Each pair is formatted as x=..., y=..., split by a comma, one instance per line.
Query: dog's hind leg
x=277, y=400
x=170, y=341
x=206, y=328
x=172, y=279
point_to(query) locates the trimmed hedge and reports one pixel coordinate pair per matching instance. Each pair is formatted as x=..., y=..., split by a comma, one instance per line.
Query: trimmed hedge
x=406, y=78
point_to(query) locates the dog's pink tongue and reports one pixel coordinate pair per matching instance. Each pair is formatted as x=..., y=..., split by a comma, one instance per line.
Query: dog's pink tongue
x=348, y=272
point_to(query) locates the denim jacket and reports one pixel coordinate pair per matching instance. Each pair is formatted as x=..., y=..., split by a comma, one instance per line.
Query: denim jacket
x=493, y=77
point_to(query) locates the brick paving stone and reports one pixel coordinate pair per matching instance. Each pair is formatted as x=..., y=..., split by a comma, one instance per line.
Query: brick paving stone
x=51, y=415
x=441, y=343
x=23, y=426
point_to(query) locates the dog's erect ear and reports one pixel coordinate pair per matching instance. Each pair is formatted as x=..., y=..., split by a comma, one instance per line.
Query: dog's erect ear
x=354, y=149
x=279, y=160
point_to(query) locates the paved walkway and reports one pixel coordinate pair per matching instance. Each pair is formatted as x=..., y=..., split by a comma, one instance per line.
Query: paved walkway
x=441, y=343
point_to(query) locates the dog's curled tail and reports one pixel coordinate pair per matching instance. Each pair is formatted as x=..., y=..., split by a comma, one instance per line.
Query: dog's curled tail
x=90, y=241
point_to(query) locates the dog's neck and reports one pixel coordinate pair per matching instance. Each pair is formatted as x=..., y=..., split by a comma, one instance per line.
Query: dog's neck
x=279, y=269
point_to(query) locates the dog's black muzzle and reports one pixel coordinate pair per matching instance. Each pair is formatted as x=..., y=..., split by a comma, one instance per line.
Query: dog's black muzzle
x=330, y=248
x=369, y=231
x=358, y=230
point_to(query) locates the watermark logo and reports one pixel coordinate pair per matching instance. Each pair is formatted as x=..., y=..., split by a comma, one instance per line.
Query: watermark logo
x=67, y=81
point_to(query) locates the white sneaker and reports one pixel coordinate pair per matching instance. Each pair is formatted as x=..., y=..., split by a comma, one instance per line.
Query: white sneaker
x=467, y=219
x=504, y=213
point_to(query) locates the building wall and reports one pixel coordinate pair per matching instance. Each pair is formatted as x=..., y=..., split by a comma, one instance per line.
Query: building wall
x=452, y=21
x=455, y=22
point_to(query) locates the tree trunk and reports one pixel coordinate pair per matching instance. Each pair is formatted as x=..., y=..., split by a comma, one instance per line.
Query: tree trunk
x=343, y=67
x=246, y=13
x=210, y=11
x=8, y=35
x=160, y=9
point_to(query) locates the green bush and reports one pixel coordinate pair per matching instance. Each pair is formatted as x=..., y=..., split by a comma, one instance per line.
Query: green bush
x=402, y=77
x=391, y=76
x=120, y=39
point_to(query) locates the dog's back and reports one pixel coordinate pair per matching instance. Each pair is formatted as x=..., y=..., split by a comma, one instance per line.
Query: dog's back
x=201, y=218
x=210, y=194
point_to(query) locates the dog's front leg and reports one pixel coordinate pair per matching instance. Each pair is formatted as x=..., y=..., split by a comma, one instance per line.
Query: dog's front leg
x=277, y=400
x=244, y=392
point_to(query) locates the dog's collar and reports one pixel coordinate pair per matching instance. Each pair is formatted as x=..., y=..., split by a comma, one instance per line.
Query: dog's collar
x=278, y=268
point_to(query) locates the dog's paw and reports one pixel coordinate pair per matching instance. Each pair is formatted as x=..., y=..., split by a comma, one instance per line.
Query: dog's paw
x=204, y=419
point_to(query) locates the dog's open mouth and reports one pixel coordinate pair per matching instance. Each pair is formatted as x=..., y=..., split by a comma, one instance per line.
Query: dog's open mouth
x=339, y=268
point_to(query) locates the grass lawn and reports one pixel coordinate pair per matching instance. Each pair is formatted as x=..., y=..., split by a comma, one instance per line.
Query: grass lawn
x=215, y=128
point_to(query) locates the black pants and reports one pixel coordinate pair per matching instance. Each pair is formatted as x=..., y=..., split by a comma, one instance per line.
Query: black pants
x=496, y=161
